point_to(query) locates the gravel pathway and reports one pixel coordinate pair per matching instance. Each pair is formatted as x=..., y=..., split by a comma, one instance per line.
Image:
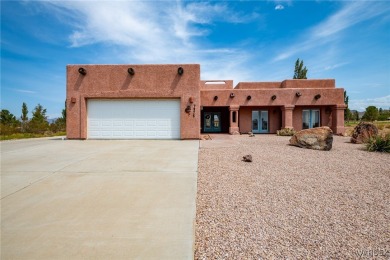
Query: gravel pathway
x=291, y=202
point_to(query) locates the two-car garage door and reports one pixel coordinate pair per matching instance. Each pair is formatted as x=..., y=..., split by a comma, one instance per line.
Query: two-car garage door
x=133, y=119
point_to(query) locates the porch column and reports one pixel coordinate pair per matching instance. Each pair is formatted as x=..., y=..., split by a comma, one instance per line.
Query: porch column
x=287, y=116
x=338, y=119
x=233, y=128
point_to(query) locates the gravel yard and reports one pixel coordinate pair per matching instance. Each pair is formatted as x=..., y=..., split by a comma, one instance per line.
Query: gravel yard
x=291, y=202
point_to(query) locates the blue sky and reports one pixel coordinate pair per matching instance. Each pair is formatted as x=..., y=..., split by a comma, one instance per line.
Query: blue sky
x=239, y=40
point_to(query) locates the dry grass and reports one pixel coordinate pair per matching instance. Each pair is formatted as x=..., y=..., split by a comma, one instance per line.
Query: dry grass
x=291, y=202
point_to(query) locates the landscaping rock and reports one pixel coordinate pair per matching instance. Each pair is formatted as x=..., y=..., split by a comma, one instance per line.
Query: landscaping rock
x=319, y=138
x=363, y=132
x=247, y=158
x=251, y=134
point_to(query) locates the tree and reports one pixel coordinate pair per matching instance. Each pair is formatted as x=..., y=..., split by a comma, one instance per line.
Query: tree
x=24, y=116
x=371, y=113
x=383, y=114
x=356, y=116
x=300, y=71
x=60, y=123
x=347, y=112
x=38, y=123
x=7, y=118
x=8, y=122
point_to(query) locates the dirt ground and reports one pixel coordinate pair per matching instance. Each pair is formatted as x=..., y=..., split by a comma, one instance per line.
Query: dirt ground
x=291, y=203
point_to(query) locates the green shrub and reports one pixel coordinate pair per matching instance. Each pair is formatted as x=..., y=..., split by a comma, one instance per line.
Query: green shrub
x=380, y=143
x=285, y=132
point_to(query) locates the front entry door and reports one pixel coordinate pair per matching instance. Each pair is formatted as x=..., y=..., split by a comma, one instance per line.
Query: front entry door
x=260, y=121
x=212, y=122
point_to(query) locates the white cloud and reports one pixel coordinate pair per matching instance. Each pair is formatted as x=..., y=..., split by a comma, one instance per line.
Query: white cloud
x=332, y=67
x=24, y=91
x=362, y=104
x=350, y=14
x=155, y=31
x=279, y=7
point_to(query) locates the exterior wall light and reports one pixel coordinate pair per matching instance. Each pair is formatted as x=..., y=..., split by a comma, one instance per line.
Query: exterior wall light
x=82, y=71
x=191, y=100
x=273, y=97
x=131, y=71
x=215, y=98
x=298, y=94
x=248, y=98
x=188, y=109
x=180, y=71
x=232, y=95
x=318, y=96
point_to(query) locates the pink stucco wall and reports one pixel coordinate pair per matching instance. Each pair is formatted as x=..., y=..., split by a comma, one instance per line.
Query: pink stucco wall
x=149, y=81
x=163, y=81
x=288, y=103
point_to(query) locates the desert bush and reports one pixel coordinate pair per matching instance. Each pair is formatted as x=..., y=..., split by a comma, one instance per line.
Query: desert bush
x=380, y=143
x=285, y=132
x=7, y=129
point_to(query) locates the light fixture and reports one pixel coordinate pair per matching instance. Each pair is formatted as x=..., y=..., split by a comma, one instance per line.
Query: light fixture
x=191, y=100
x=188, y=109
x=131, y=71
x=232, y=95
x=248, y=98
x=180, y=71
x=273, y=97
x=298, y=94
x=318, y=96
x=82, y=71
x=215, y=98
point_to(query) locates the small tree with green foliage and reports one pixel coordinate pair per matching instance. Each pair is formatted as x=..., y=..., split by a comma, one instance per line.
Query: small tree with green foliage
x=300, y=71
x=8, y=122
x=60, y=124
x=347, y=113
x=24, y=116
x=356, y=116
x=38, y=123
x=383, y=114
x=371, y=113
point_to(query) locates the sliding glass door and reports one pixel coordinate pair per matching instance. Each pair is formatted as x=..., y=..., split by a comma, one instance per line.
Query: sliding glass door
x=260, y=121
x=310, y=118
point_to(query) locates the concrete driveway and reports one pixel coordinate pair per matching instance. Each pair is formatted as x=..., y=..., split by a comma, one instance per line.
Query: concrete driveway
x=98, y=199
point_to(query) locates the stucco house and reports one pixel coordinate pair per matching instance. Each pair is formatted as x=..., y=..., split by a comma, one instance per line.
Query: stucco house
x=172, y=102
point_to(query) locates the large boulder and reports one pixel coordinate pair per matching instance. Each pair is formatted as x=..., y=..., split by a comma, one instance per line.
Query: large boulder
x=319, y=138
x=363, y=132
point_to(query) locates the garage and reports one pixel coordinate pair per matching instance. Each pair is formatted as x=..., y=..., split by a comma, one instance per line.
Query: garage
x=133, y=118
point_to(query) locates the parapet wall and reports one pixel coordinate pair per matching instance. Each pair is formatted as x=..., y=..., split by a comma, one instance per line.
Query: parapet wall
x=216, y=84
x=308, y=83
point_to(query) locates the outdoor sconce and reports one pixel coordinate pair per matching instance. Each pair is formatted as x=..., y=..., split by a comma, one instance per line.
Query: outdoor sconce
x=248, y=98
x=273, y=97
x=188, y=109
x=73, y=100
x=298, y=94
x=215, y=98
x=191, y=100
x=180, y=71
x=82, y=71
x=131, y=71
x=318, y=96
x=231, y=95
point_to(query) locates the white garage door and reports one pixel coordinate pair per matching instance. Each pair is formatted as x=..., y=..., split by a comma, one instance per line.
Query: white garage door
x=133, y=119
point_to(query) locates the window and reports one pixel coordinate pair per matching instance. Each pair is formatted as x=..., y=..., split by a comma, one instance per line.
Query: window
x=310, y=118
